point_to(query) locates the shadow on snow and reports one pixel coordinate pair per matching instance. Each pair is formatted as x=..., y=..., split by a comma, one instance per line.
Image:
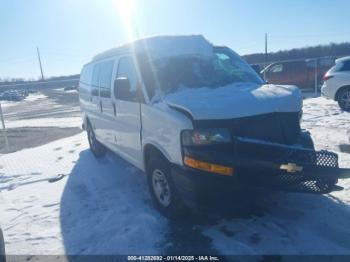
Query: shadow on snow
x=106, y=209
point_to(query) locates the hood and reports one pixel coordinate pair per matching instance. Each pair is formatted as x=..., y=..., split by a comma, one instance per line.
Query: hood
x=234, y=101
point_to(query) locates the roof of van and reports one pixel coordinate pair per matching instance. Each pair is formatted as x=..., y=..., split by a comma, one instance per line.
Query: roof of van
x=163, y=46
x=343, y=59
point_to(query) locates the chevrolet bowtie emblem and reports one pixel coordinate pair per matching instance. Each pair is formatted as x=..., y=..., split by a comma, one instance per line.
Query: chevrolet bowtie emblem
x=291, y=168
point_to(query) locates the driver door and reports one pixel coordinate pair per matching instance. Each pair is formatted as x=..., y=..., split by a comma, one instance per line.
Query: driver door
x=128, y=116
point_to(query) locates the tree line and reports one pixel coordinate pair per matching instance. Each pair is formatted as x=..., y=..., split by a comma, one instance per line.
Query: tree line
x=18, y=80
x=336, y=50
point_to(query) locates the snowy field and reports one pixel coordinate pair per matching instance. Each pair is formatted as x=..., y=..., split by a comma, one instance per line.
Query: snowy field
x=39, y=110
x=103, y=206
x=40, y=118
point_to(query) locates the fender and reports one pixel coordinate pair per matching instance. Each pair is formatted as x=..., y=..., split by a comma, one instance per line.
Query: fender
x=151, y=142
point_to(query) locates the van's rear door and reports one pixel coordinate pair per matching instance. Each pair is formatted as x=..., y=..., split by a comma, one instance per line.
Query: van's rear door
x=107, y=120
x=94, y=105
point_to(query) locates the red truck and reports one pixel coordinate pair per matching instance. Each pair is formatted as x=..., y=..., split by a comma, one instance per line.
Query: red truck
x=300, y=73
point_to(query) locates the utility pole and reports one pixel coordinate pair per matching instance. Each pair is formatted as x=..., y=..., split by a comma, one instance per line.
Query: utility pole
x=41, y=68
x=265, y=56
x=4, y=128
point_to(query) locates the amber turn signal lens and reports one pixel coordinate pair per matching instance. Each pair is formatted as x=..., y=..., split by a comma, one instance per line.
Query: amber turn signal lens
x=213, y=168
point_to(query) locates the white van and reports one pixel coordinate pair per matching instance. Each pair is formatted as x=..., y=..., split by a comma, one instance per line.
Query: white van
x=198, y=120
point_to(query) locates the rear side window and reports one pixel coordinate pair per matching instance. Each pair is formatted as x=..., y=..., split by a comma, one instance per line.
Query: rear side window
x=86, y=74
x=346, y=66
x=85, y=81
x=127, y=69
x=95, y=80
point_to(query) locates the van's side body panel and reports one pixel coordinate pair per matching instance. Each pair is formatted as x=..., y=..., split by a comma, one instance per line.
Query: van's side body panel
x=117, y=123
x=162, y=127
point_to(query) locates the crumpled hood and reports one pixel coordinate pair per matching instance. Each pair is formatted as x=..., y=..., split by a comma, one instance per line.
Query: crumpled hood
x=237, y=100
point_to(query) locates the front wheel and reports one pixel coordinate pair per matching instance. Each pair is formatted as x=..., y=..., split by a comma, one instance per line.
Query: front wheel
x=96, y=147
x=344, y=99
x=162, y=188
x=306, y=141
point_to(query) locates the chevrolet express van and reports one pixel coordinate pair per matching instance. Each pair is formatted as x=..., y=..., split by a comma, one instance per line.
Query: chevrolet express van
x=199, y=121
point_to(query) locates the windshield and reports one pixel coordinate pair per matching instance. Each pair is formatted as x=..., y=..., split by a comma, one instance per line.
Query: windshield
x=220, y=69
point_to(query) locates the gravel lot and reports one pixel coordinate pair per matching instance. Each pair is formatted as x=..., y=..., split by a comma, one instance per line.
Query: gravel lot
x=42, y=117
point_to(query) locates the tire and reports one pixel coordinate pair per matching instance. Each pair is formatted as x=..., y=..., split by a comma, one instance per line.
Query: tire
x=306, y=141
x=2, y=247
x=343, y=99
x=96, y=147
x=162, y=189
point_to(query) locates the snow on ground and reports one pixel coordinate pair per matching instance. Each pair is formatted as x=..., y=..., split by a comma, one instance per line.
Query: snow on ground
x=38, y=110
x=326, y=122
x=61, y=122
x=103, y=207
x=30, y=98
x=298, y=223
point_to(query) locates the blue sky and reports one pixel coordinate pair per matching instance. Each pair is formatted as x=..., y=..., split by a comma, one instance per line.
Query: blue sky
x=70, y=32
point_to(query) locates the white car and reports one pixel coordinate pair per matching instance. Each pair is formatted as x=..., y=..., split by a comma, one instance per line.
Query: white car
x=199, y=121
x=336, y=84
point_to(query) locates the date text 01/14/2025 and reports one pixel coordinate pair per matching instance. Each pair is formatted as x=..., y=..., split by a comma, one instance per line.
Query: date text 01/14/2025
x=173, y=258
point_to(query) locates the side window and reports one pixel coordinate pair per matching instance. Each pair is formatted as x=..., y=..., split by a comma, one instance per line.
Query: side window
x=277, y=68
x=85, y=81
x=95, y=80
x=106, y=70
x=85, y=76
x=346, y=66
x=127, y=69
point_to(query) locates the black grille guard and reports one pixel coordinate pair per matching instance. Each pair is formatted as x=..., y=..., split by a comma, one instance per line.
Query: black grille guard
x=289, y=168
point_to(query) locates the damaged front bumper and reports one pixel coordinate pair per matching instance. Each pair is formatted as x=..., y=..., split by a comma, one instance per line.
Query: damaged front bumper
x=259, y=164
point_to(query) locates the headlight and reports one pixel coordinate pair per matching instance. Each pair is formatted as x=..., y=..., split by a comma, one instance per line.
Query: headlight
x=210, y=136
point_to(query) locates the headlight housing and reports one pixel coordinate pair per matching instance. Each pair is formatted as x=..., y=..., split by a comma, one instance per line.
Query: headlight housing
x=205, y=136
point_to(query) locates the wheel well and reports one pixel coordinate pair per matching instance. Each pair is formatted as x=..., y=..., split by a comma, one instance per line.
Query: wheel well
x=339, y=90
x=151, y=150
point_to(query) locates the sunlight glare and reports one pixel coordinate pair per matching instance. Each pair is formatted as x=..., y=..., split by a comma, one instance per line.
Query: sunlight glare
x=126, y=10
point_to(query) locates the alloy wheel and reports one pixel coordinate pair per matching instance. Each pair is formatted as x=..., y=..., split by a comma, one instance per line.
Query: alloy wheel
x=345, y=100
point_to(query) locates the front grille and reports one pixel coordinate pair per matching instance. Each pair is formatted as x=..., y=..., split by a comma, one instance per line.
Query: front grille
x=297, y=183
x=281, y=128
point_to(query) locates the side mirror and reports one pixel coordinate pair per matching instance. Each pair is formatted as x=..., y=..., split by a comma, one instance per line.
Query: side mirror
x=122, y=88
